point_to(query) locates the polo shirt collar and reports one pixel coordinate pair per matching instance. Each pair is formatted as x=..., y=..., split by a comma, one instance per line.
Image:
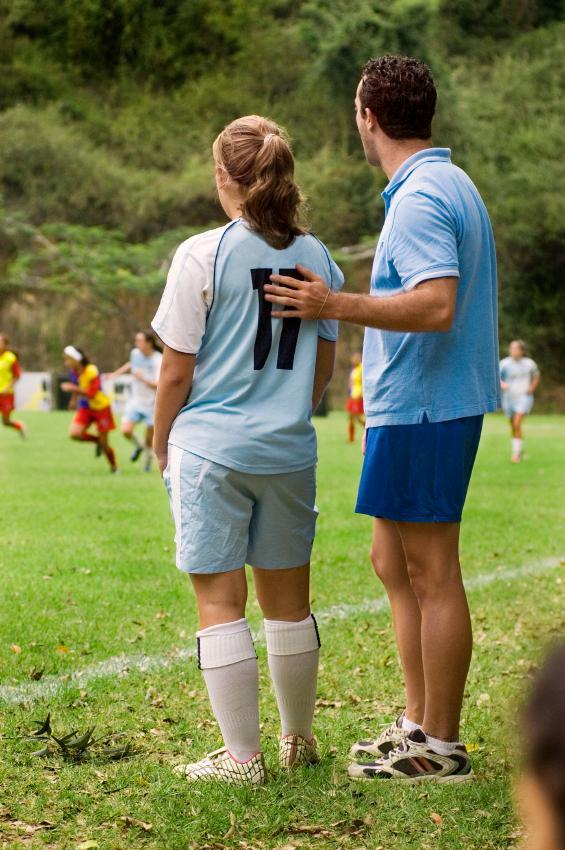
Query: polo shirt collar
x=410, y=164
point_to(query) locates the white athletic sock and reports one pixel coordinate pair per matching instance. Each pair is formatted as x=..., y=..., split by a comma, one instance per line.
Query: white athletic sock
x=135, y=439
x=517, y=444
x=409, y=725
x=226, y=656
x=293, y=651
x=442, y=748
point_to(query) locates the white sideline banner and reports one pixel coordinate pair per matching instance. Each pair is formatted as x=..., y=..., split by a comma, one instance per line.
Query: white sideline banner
x=33, y=391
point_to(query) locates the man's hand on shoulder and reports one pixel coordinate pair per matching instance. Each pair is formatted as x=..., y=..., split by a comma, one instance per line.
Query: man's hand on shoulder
x=304, y=299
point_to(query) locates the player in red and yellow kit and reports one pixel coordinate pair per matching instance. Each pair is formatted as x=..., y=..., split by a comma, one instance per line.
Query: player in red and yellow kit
x=354, y=404
x=9, y=373
x=92, y=404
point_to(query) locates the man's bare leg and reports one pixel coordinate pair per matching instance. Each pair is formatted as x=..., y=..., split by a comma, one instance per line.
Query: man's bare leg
x=432, y=557
x=389, y=562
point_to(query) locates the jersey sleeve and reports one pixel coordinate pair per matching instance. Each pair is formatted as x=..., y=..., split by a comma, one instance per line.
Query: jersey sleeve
x=423, y=240
x=534, y=369
x=92, y=380
x=502, y=370
x=180, y=320
x=329, y=328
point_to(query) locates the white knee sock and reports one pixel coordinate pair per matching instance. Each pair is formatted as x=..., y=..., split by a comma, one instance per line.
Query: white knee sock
x=293, y=650
x=517, y=445
x=226, y=656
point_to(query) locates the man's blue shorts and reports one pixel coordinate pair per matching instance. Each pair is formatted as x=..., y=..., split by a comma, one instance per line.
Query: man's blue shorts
x=419, y=473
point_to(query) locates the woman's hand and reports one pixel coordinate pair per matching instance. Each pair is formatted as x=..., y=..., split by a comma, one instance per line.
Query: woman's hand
x=162, y=460
x=69, y=387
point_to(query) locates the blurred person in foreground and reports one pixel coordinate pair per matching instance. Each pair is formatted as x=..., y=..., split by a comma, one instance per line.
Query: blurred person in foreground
x=430, y=373
x=519, y=379
x=542, y=786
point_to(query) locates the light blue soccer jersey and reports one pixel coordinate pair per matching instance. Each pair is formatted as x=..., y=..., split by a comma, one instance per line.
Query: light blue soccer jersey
x=436, y=225
x=250, y=404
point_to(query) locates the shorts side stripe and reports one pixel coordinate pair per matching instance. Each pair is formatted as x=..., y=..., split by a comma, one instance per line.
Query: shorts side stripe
x=175, y=460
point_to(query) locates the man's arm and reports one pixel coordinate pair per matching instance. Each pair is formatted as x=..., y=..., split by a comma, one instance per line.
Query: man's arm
x=325, y=360
x=175, y=381
x=430, y=306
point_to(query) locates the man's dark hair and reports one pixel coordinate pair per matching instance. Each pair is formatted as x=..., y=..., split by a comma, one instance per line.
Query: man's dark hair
x=401, y=94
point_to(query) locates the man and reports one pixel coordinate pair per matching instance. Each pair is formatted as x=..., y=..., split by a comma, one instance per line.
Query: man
x=430, y=372
x=519, y=379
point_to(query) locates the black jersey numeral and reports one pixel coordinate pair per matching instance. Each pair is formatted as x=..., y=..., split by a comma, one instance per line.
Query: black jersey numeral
x=290, y=326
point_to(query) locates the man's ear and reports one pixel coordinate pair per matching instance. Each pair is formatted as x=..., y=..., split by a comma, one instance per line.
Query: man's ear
x=370, y=118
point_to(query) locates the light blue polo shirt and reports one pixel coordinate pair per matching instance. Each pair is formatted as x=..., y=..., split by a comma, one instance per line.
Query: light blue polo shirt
x=436, y=225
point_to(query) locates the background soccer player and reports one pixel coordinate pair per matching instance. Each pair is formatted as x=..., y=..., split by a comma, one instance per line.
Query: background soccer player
x=519, y=379
x=92, y=405
x=354, y=404
x=9, y=374
x=430, y=372
x=144, y=364
x=239, y=456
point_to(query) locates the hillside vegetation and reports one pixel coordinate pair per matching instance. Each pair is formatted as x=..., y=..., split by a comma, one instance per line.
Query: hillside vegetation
x=108, y=109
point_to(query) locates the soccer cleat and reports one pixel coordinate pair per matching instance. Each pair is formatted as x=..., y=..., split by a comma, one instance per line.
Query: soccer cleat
x=294, y=751
x=220, y=766
x=389, y=738
x=516, y=458
x=147, y=464
x=413, y=761
x=136, y=453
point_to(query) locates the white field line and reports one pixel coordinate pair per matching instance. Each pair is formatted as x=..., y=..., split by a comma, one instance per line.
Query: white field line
x=122, y=665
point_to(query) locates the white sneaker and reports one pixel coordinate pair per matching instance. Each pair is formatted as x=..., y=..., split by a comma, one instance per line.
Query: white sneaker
x=221, y=766
x=389, y=738
x=413, y=761
x=294, y=750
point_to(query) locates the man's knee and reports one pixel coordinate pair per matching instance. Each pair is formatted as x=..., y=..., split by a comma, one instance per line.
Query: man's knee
x=390, y=572
x=431, y=580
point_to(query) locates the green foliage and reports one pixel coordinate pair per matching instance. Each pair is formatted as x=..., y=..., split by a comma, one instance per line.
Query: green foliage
x=108, y=109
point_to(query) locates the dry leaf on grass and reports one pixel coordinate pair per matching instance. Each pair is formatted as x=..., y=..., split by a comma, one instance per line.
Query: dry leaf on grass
x=436, y=818
x=233, y=824
x=16, y=649
x=134, y=823
x=87, y=845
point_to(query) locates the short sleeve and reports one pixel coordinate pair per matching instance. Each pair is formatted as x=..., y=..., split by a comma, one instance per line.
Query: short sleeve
x=329, y=328
x=180, y=320
x=534, y=369
x=423, y=240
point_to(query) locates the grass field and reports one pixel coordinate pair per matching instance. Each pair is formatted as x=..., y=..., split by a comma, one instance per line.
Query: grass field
x=88, y=584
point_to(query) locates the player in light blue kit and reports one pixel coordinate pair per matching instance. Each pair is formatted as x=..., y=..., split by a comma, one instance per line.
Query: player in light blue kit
x=235, y=443
x=144, y=364
x=519, y=379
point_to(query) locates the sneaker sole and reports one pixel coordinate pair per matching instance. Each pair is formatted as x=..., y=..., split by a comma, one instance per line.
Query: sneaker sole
x=412, y=780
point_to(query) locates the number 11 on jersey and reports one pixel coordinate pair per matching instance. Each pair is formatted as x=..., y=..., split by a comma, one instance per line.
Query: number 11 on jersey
x=290, y=326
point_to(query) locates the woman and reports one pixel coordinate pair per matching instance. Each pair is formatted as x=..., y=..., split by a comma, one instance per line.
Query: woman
x=542, y=787
x=9, y=373
x=519, y=379
x=144, y=364
x=92, y=405
x=234, y=439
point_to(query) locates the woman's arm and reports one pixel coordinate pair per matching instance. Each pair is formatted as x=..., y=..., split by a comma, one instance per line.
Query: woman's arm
x=534, y=383
x=325, y=359
x=175, y=381
x=121, y=371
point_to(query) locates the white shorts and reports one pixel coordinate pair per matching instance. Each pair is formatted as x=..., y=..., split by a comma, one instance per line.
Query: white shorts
x=519, y=404
x=225, y=519
x=135, y=413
